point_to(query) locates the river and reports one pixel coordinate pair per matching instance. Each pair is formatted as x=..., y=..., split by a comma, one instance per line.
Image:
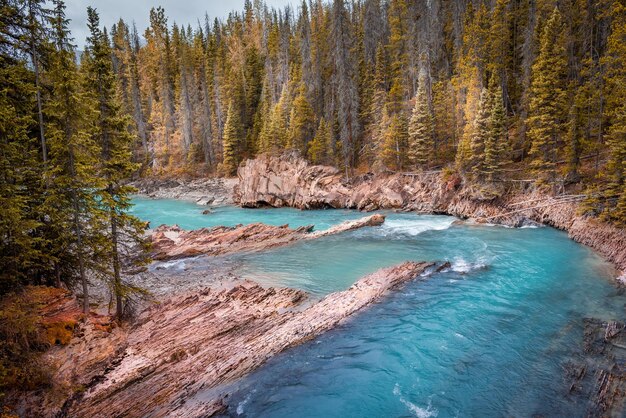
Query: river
x=490, y=336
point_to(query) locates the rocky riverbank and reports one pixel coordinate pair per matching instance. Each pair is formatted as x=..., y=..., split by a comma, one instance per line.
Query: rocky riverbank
x=171, y=242
x=181, y=352
x=291, y=181
x=212, y=191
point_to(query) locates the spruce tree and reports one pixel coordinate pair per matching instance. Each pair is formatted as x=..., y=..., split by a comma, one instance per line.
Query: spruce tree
x=38, y=14
x=395, y=138
x=20, y=176
x=301, y=122
x=320, y=148
x=232, y=141
x=613, y=192
x=112, y=136
x=376, y=128
x=71, y=204
x=344, y=78
x=496, y=146
x=480, y=135
x=547, y=111
x=274, y=134
x=421, y=129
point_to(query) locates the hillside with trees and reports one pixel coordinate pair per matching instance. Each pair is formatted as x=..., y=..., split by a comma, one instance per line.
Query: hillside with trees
x=492, y=89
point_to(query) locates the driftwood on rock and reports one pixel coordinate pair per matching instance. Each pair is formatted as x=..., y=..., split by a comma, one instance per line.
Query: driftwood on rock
x=181, y=351
x=170, y=242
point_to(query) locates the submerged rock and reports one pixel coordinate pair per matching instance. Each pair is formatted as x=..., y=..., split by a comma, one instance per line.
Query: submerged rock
x=170, y=242
x=601, y=375
x=181, y=353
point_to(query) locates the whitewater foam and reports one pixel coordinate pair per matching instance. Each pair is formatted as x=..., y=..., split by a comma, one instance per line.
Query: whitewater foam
x=241, y=406
x=462, y=266
x=415, y=227
x=414, y=409
x=177, y=265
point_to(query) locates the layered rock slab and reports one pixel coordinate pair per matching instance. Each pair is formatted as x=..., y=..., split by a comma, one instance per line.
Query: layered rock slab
x=198, y=342
x=171, y=242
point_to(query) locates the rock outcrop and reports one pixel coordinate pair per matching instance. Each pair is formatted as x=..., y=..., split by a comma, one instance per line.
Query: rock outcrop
x=170, y=242
x=81, y=346
x=181, y=352
x=291, y=181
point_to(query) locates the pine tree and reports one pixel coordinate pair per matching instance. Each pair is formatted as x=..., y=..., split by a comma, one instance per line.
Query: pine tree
x=320, y=148
x=115, y=142
x=301, y=122
x=71, y=204
x=421, y=129
x=496, y=146
x=547, y=111
x=232, y=141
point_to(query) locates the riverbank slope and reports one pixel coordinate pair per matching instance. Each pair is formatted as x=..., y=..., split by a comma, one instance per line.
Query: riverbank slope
x=291, y=181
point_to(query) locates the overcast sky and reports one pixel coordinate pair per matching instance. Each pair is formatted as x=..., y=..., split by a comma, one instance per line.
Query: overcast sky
x=179, y=11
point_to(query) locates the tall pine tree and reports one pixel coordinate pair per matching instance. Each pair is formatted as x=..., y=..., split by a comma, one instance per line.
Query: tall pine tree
x=421, y=129
x=112, y=136
x=547, y=111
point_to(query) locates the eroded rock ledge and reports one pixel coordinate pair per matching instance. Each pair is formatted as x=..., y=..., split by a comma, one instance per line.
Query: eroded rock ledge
x=171, y=242
x=190, y=345
x=290, y=181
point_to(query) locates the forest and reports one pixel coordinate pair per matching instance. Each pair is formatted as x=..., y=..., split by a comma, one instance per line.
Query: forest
x=497, y=92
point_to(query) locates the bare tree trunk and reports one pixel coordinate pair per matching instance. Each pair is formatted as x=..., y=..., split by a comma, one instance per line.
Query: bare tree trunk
x=35, y=58
x=81, y=259
x=117, y=278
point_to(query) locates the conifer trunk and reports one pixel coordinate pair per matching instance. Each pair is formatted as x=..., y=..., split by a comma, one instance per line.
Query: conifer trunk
x=117, y=279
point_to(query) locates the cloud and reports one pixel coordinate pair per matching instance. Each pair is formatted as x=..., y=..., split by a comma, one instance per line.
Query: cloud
x=182, y=12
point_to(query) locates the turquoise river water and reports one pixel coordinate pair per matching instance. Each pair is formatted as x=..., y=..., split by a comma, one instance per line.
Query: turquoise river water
x=489, y=337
